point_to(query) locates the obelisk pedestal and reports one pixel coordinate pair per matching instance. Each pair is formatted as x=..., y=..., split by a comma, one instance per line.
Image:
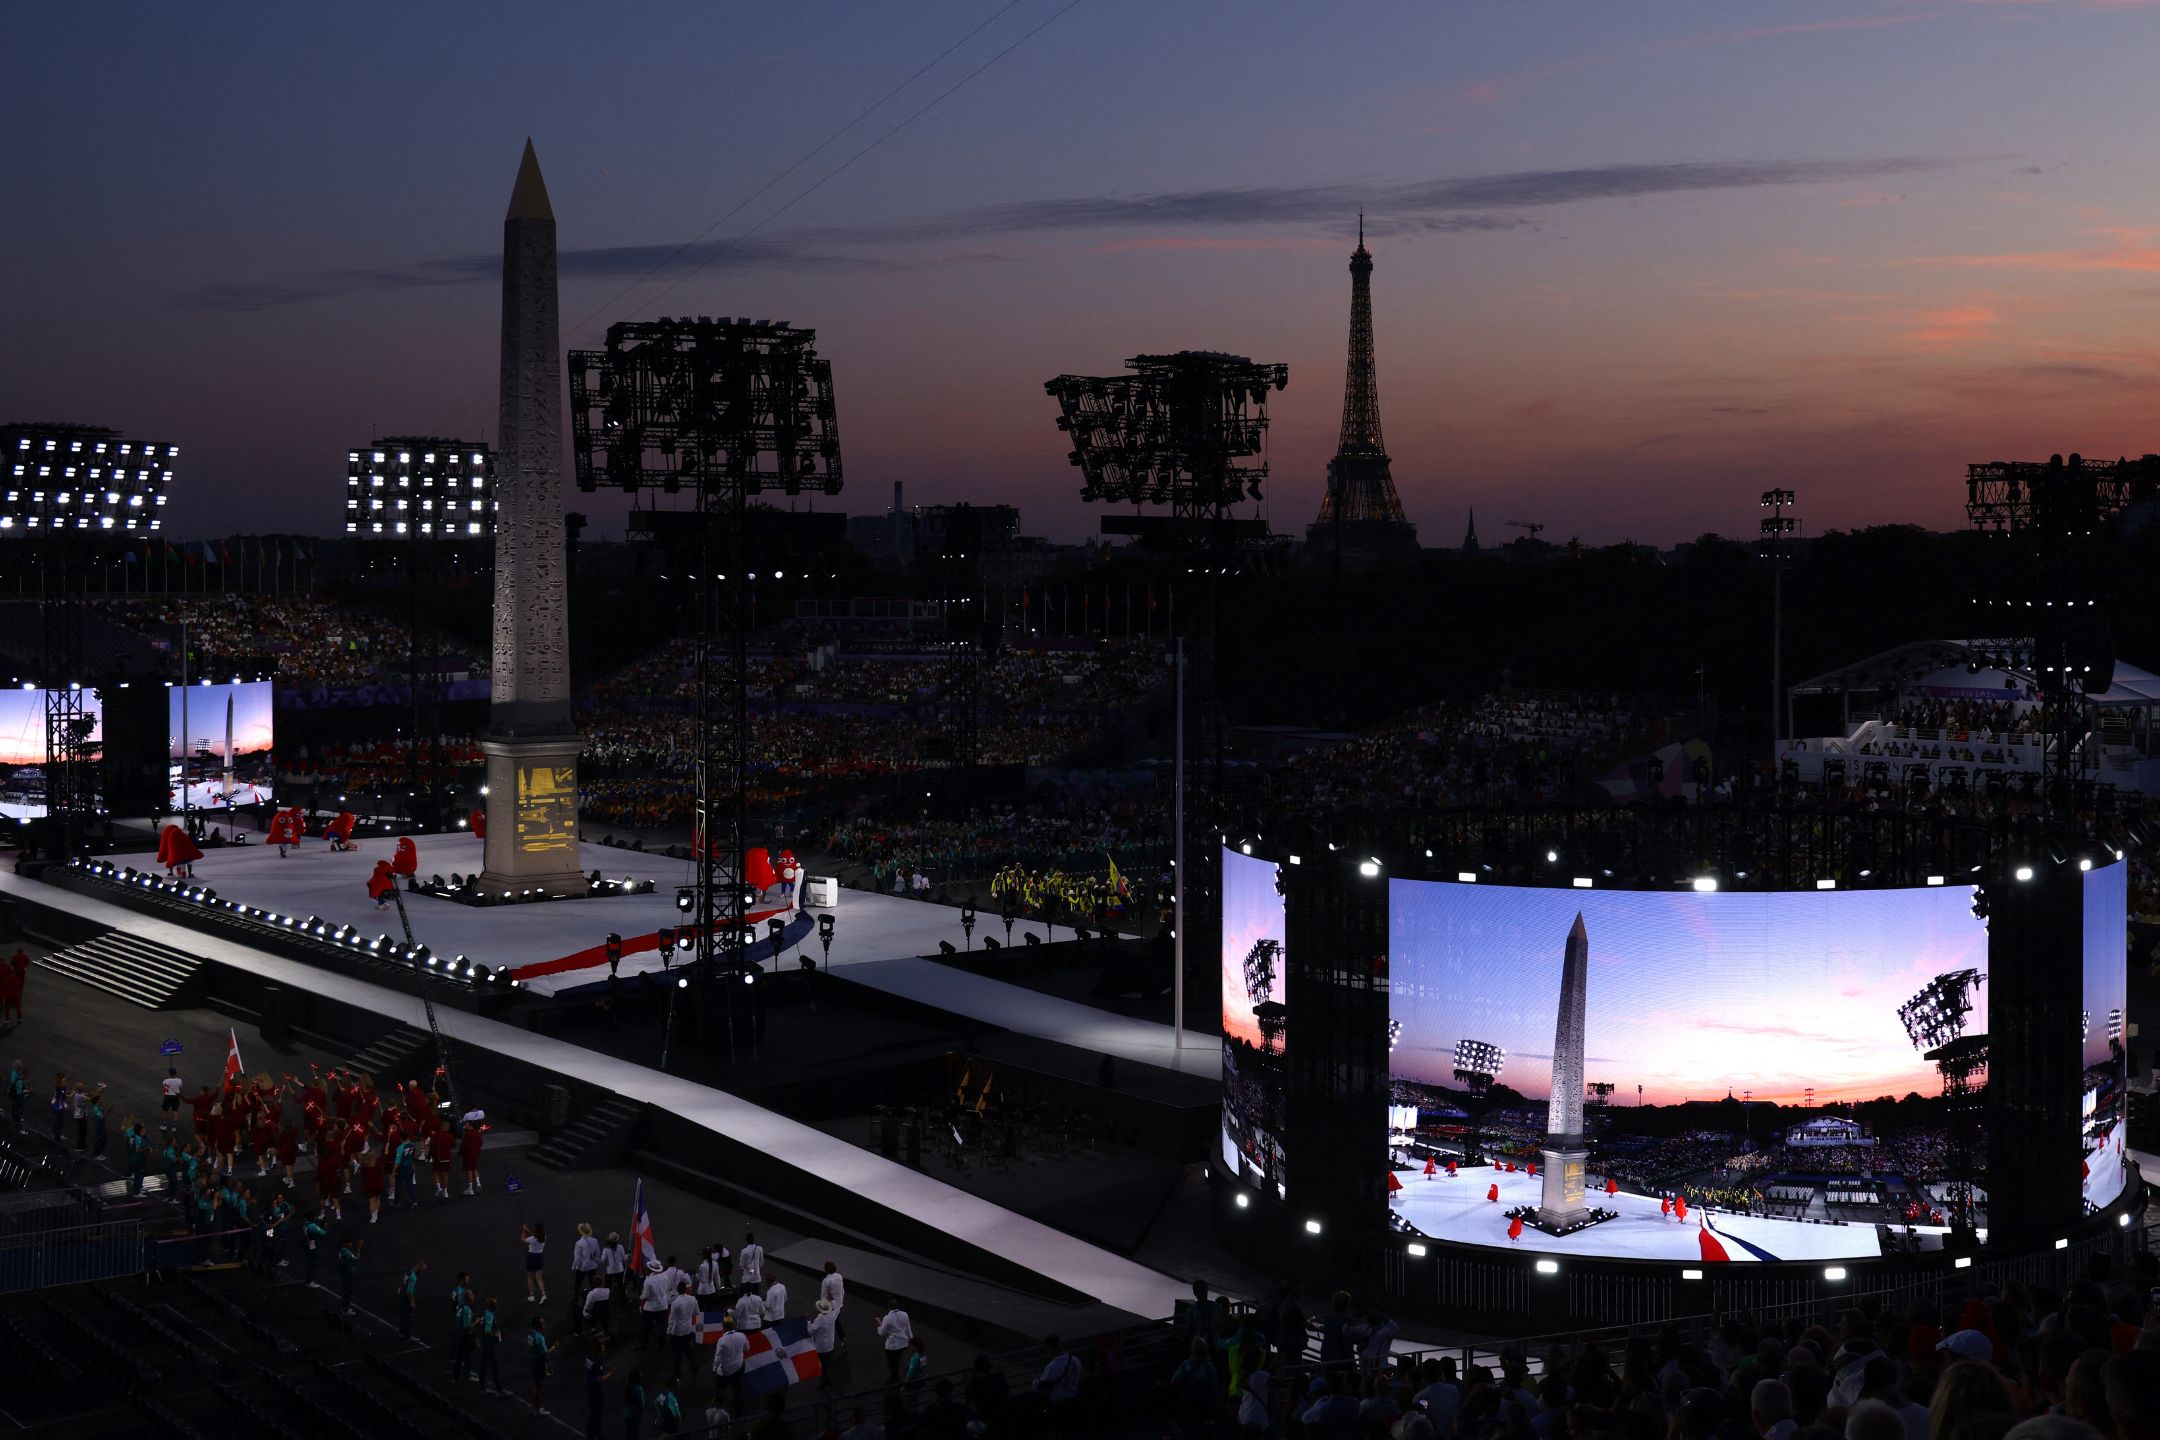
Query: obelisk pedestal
x=531, y=744
x=1566, y=1152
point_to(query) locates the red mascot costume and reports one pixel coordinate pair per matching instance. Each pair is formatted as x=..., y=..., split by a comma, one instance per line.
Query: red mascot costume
x=339, y=831
x=478, y=821
x=177, y=852
x=284, y=830
x=407, y=859
x=382, y=885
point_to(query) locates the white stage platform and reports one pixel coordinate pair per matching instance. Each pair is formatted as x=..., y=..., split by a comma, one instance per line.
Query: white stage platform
x=876, y=940
x=1457, y=1210
x=1086, y=1268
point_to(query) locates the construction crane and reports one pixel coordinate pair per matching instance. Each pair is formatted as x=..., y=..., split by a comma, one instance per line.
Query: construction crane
x=1533, y=526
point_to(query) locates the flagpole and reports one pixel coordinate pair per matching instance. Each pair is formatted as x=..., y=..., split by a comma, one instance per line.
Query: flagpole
x=1177, y=861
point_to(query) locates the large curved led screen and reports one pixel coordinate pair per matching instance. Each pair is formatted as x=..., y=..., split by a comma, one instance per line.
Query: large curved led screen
x=1686, y=1076
x=2106, y=1065
x=1254, y=1019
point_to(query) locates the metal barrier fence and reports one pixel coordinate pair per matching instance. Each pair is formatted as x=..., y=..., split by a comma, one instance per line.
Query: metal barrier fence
x=110, y=1250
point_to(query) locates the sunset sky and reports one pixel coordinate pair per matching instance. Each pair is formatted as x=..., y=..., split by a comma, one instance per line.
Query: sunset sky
x=205, y=717
x=22, y=725
x=1251, y=911
x=1689, y=995
x=1634, y=263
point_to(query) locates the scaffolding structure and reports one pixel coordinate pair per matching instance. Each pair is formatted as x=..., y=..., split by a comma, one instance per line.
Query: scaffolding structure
x=2055, y=519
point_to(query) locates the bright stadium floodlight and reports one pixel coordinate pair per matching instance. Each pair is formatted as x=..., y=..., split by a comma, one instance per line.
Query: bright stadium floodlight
x=1478, y=1064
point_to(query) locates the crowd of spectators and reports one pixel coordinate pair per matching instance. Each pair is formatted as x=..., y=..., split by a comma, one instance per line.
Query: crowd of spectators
x=1959, y=719
x=1073, y=829
x=311, y=640
x=1509, y=746
x=822, y=715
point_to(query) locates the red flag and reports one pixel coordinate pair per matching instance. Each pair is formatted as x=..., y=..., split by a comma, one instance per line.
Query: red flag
x=233, y=1068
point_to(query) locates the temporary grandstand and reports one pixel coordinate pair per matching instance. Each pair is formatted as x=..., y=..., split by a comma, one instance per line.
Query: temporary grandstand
x=1961, y=712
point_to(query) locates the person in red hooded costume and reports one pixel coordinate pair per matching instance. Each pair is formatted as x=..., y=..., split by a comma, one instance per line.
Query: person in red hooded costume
x=1514, y=1228
x=1432, y=1167
x=478, y=821
x=177, y=852
x=1492, y=1192
x=339, y=831
x=382, y=885
x=406, y=859
x=284, y=830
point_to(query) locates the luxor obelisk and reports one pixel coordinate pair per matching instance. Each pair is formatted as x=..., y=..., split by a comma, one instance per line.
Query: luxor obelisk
x=1567, y=1150
x=531, y=744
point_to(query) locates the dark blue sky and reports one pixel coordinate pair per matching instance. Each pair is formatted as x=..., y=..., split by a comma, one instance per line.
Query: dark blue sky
x=1633, y=264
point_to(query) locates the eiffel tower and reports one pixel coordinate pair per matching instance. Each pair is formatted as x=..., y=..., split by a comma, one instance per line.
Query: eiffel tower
x=1361, y=516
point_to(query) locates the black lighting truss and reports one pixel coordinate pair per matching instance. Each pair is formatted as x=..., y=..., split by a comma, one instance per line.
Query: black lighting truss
x=1178, y=431
x=2056, y=520
x=723, y=409
x=70, y=755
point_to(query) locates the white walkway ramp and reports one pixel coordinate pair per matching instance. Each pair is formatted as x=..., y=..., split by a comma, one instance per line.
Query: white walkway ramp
x=1088, y=1269
x=1014, y=1007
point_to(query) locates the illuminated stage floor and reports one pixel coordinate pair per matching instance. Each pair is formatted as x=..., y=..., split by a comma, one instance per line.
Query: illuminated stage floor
x=1457, y=1210
x=877, y=941
x=1089, y=1269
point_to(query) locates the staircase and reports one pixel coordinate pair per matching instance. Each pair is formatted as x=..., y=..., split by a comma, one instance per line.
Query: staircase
x=397, y=1055
x=600, y=1136
x=141, y=972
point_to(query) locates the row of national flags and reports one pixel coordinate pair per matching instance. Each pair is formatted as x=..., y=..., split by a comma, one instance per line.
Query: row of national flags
x=780, y=1355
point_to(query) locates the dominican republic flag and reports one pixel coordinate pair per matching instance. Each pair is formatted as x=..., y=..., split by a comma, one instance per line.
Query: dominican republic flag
x=233, y=1068
x=642, y=1250
x=779, y=1356
x=710, y=1324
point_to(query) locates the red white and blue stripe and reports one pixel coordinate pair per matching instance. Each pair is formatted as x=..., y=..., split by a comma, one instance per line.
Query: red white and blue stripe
x=778, y=1356
x=643, y=1252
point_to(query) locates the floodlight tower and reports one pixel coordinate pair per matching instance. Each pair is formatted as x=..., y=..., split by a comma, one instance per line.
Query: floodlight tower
x=1477, y=1064
x=725, y=409
x=1778, y=528
x=1935, y=1020
x=1185, y=433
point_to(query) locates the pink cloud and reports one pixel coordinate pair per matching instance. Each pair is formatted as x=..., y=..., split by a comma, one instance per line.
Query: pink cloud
x=1954, y=326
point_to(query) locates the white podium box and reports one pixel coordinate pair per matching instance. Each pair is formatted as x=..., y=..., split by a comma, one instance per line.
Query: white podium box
x=820, y=892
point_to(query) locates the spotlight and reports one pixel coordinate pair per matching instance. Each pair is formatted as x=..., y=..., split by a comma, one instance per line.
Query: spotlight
x=1033, y=938
x=946, y=947
x=990, y=943
x=684, y=899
